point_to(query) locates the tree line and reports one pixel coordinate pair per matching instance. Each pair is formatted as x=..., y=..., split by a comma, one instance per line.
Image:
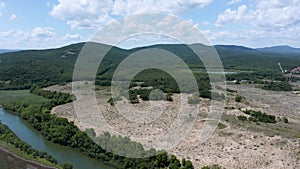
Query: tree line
x=258, y=116
x=7, y=136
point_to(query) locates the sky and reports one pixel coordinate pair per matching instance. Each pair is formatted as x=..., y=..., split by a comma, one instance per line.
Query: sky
x=36, y=24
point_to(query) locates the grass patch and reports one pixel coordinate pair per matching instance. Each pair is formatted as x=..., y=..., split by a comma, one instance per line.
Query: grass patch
x=221, y=126
x=9, y=96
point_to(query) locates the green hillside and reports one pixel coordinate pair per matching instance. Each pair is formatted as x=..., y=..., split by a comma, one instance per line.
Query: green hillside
x=24, y=69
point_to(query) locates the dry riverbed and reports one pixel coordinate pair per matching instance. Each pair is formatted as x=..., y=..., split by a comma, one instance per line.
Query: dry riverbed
x=234, y=144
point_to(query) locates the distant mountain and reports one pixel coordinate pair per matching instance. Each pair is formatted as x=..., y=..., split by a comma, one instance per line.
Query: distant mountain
x=280, y=49
x=8, y=50
x=235, y=48
x=26, y=68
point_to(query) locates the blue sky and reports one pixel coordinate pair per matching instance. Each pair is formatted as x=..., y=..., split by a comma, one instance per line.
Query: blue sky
x=53, y=23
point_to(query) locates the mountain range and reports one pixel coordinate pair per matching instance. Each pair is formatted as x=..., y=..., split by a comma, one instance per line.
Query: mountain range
x=22, y=69
x=280, y=49
x=8, y=50
x=284, y=49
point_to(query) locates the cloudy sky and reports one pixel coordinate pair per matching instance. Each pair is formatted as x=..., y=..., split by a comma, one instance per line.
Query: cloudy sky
x=53, y=23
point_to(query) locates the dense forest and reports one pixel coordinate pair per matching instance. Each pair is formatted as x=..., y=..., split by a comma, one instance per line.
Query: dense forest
x=55, y=66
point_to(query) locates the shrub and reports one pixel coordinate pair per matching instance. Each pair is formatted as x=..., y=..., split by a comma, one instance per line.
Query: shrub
x=241, y=117
x=169, y=97
x=193, y=100
x=238, y=98
x=215, y=166
x=285, y=120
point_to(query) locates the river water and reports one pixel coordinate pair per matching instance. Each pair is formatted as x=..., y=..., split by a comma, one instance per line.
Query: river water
x=37, y=141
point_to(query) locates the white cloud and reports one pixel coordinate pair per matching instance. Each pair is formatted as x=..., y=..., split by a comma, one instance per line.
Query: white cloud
x=42, y=33
x=269, y=14
x=13, y=17
x=272, y=22
x=131, y=7
x=159, y=25
x=5, y=35
x=94, y=13
x=233, y=2
x=71, y=37
x=232, y=16
x=276, y=13
x=255, y=37
x=2, y=5
x=205, y=23
x=37, y=37
x=83, y=13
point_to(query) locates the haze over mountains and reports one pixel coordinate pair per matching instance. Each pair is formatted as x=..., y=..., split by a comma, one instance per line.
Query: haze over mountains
x=8, y=50
x=282, y=49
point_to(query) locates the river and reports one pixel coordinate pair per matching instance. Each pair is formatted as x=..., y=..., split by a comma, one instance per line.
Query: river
x=37, y=141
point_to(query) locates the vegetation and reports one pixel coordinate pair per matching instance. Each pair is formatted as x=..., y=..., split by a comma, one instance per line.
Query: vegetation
x=8, y=137
x=238, y=98
x=8, y=96
x=258, y=116
x=214, y=166
x=60, y=131
x=278, y=86
x=57, y=98
x=55, y=66
x=193, y=100
x=285, y=120
x=146, y=95
x=169, y=97
x=111, y=101
x=243, y=118
x=221, y=126
x=231, y=90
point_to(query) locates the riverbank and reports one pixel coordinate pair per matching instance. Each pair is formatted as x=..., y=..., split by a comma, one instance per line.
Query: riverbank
x=13, y=160
x=62, y=153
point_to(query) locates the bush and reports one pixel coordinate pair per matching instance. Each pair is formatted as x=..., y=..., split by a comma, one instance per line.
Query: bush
x=241, y=117
x=278, y=86
x=285, y=120
x=215, y=166
x=111, y=101
x=169, y=97
x=238, y=98
x=193, y=100
x=258, y=116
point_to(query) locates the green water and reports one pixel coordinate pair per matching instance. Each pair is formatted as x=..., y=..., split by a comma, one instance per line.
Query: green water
x=37, y=141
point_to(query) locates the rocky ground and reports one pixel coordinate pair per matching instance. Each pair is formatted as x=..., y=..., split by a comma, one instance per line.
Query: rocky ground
x=234, y=143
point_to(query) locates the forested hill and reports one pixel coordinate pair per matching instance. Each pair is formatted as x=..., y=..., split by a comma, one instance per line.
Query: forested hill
x=280, y=49
x=23, y=69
